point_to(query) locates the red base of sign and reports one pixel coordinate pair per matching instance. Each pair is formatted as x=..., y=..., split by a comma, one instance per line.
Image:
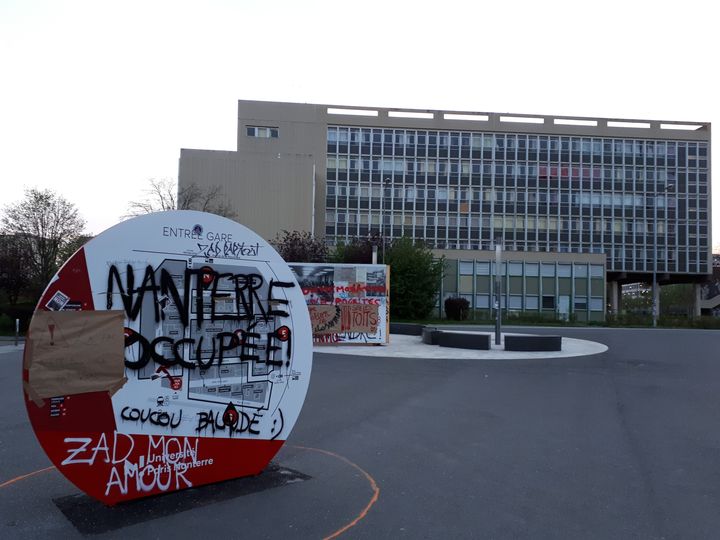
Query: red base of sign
x=114, y=467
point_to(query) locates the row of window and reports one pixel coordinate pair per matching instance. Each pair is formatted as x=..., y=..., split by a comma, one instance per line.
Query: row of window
x=552, y=196
x=532, y=302
x=531, y=269
x=335, y=163
x=641, y=247
x=618, y=259
x=477, y=140
x=523, y=222
x=388, y=165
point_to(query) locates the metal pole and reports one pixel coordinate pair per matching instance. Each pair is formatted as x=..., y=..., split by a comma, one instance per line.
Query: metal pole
x=385, y=183
x=654, y=290
x=17, y=330
x=498, y=287
x=654, y=283
x=312, y=219
x=382, y=219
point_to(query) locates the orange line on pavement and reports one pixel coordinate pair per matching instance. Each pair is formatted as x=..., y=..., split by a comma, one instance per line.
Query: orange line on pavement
x=370, y=479
x=360, y=516
x=28, y=475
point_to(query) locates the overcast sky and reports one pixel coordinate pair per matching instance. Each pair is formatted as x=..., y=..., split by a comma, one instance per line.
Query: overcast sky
x=98, y=97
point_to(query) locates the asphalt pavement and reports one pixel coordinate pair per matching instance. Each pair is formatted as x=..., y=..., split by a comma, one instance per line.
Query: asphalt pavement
x=620, y=444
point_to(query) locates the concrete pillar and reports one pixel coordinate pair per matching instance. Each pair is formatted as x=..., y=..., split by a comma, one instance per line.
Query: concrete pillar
x=697, y=299
x=614, y=295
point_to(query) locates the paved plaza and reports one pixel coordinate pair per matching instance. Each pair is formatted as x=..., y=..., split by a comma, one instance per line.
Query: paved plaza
x=623, y=442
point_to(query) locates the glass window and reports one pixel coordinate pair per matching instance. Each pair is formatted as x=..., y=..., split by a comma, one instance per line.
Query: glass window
x=503, y=269
x=548, y=270
x=466, y=268
x=515, y=301
x=263, y=132
x=548, y=302
x=564, y=270
x=482, y=268
x=597, y=270
x=515, y=268
x=581, y=270
x=531, y=302
x=482, y=301
x=596, y=304
x=531, y=269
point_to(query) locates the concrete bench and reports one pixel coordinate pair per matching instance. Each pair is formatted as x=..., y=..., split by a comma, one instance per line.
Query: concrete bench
x=459, y=340
x=430, y=335
x=406, y=329
x=533, y=343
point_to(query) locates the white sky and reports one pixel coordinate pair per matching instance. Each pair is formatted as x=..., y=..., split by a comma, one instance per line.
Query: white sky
x=98, y=97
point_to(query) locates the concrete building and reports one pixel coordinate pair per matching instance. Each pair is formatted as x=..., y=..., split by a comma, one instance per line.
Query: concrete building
x=634, y=193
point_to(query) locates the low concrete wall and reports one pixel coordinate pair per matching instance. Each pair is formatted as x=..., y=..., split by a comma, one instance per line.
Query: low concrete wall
x=406, y=329
x=464, y=341
x=430, y=335
x=533, y=343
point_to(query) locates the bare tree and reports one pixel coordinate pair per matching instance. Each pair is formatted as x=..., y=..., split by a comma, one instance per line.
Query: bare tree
x=164, y=195
x=160, y=196
x=44, y=223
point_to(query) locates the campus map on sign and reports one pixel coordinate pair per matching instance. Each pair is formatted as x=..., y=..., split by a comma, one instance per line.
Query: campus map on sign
x=173, y=350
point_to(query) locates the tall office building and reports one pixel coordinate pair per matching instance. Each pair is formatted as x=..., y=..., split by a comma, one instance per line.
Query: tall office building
x=636, y=193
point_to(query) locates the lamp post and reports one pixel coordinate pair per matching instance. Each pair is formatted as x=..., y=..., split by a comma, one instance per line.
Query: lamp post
x=386, y=182
x=498, y=289
x=655, y=295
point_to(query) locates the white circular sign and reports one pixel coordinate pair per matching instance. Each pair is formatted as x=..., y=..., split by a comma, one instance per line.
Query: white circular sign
x=172, y=350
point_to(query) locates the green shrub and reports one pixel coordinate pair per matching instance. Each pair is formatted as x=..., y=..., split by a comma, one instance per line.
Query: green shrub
x=457, y=308
x=414, y=279
x=23, y=312
x=6, y=323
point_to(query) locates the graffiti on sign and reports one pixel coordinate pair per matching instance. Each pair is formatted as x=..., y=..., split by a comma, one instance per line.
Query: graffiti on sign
x=336, y=319
x=347, y=303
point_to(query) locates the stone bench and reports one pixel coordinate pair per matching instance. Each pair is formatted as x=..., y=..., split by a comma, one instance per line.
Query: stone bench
x=430, y=335
x=533, y=343
x=406, y=329
x=459, y=340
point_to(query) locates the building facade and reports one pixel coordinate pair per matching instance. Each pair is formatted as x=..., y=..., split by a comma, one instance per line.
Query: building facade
x=551, y=285
x=637, y=192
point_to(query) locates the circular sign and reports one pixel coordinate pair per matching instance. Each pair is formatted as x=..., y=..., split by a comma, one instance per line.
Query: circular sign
x=172, y=350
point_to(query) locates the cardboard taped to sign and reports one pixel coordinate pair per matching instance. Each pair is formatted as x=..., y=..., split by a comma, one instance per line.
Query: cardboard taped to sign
x=73, y=352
